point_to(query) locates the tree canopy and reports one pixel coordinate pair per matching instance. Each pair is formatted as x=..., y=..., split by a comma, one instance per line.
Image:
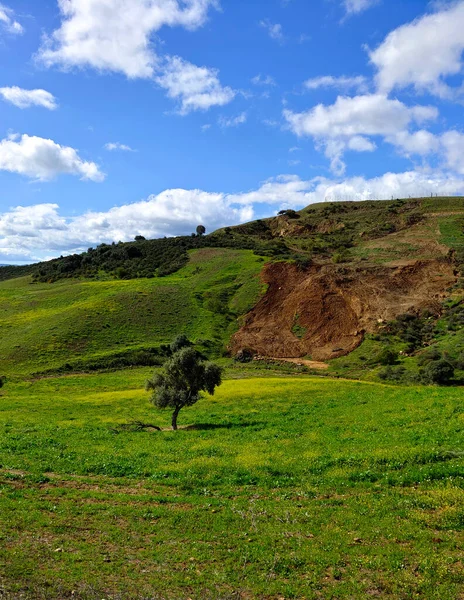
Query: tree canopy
x=184, y=378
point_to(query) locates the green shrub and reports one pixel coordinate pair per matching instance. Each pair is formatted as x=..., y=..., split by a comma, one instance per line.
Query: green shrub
x=387, y=356
x=430, y=356
x=392, y=373
x=440, y=372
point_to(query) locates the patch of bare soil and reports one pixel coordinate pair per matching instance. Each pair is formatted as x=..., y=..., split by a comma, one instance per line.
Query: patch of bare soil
x=325, y=311
x=312, y=364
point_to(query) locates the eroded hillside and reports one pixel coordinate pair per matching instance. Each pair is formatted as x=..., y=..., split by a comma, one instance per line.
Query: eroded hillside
x=329, y=274
x=391, y=259
x=325, y=310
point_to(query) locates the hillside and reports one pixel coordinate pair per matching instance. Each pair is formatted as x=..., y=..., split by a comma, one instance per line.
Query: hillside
x=85, y=325
x=323, y=284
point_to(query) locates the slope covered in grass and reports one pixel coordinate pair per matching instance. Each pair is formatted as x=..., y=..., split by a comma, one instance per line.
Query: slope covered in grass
x=74, y=322
x=293, y=488
x=346, y=273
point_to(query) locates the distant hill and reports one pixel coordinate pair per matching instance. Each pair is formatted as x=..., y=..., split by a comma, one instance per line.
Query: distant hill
x=335, y=282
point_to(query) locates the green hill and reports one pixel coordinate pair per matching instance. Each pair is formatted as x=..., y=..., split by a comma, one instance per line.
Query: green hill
x=80, y=324
x=328, y=283
x=282, y=485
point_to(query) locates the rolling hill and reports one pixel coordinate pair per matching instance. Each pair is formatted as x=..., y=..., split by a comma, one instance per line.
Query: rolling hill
x=336, y=282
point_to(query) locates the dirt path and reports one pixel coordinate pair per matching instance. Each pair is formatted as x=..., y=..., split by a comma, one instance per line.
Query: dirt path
x=312, y=364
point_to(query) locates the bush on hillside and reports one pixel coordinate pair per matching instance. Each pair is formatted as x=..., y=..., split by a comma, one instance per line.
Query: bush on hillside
x=429, y=356
x=387, y=356
x=460, y=362
x=440, y=372
x=181, y=341
x=245, y=355
x=391, y=373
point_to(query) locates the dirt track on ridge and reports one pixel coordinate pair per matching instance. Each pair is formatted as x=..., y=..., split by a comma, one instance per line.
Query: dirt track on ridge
x=331, y=307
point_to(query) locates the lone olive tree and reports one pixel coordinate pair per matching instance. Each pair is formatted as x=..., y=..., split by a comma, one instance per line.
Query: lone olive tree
x=183, y=379
x=201, y=230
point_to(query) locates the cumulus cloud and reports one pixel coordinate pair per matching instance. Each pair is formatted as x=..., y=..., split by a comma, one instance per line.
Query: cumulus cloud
x=420, y=142
x=349, y=122
x=343, y=83
x=423, y=53
x=39, y=231
x=113, y=146
x=353, y=7
x=448, y=147
x=273, y=29
x=44, y=159
x=195, y=88
x=358, y=143
x=372, y=114
x=453, y=144
x=34, y=232
x=27, y=98
x=105, y=35
x=8, y=21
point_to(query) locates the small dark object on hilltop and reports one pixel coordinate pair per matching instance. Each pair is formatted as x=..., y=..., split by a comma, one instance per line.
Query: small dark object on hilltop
x=291, y=214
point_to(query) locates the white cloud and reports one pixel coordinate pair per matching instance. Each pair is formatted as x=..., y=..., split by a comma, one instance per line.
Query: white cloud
x=34, y=232
x=107, y=36
x=263, y=80
x=274, y=30
x=112, y=146
x=349, y=122
x=233, y=121
x=423, y=53
x=453, y=145
x=373, y=114
x=447, y=147
x=358, y=6
x=44, y=159
x=27, y=98
x=357, y=83
x=196, y=88
x=420, y=142
x=8, y=21
x=397, y=185
x=40, y=231
x=358, y=143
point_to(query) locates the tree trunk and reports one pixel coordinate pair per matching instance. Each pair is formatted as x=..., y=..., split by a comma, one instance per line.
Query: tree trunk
x=174, y=418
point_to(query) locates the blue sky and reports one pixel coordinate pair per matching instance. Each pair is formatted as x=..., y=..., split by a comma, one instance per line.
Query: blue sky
x=127, y=117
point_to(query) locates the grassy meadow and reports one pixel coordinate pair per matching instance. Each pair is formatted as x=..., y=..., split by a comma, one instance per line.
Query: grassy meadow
x=291, y=487
x=44, y=326
x=284, y=485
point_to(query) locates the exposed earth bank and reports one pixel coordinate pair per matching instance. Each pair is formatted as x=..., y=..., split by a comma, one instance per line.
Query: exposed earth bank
x=324, y=311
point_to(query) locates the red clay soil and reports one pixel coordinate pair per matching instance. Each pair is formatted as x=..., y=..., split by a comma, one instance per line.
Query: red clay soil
x=325, y=311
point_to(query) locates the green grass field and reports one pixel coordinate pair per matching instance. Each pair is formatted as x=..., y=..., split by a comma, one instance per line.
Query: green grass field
x=281, y=486
x=43, y=326
x=275, y=488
